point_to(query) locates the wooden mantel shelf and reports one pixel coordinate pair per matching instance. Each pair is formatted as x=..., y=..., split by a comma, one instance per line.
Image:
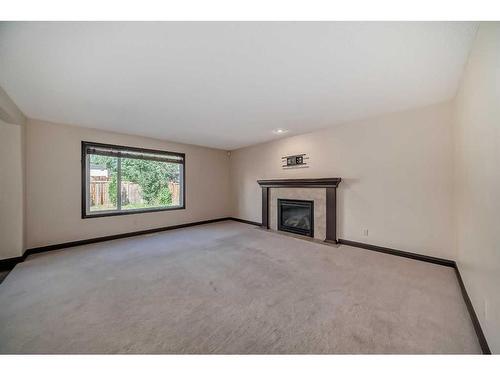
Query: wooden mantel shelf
x=331, y=182
x=331, y=199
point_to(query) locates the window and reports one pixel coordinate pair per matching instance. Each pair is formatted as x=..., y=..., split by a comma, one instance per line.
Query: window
x=118, y=180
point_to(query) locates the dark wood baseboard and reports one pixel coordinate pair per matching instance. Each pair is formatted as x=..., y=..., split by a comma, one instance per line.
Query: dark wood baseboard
x=443, y=262
x=43, y=249
x=246, y=221
x=475, y=321
x=400, y=253
x=9, y=263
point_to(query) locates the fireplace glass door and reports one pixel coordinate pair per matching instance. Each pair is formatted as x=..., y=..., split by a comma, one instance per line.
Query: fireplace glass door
x=296, y=216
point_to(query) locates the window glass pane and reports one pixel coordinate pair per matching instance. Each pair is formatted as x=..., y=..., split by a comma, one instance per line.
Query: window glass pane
x=102, y=189
x=149, y=184
x=120, y=179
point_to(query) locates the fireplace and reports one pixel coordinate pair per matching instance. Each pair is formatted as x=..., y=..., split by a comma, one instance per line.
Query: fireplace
x=296, y=216
x=321, y=191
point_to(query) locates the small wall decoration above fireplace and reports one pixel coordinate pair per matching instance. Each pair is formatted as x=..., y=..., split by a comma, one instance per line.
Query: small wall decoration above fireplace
x=294, y=161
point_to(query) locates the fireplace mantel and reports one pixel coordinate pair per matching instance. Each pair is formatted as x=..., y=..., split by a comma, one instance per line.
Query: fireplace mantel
x=329, y=184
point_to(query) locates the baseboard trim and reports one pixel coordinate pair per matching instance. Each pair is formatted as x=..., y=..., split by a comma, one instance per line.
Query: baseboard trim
x=246, y=221
x=475, y=321
x=43, y=249
x=400, y=253
x=10, y=263
x=443, y=262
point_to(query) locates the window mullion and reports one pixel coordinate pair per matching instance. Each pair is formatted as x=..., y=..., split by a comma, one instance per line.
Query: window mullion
x=87, y=182
x=119, y=185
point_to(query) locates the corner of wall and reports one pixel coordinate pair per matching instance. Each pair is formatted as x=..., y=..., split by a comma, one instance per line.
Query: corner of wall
x=9, y=112
x=14, y=120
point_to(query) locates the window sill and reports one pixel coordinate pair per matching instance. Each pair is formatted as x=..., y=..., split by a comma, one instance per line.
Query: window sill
x=86, y=215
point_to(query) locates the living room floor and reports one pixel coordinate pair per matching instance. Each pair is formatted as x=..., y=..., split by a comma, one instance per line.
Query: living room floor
x=229, y=287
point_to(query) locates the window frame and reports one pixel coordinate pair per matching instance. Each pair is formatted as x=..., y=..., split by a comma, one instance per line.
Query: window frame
x=86, y=214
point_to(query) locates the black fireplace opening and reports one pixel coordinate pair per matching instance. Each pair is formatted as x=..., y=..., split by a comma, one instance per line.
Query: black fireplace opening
x=296, y=216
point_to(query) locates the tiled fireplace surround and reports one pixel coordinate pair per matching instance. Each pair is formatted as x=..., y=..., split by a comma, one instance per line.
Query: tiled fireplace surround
x=321, y=190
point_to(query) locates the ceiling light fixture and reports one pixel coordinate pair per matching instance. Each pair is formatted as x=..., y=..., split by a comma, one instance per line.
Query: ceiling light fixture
x=280, y=131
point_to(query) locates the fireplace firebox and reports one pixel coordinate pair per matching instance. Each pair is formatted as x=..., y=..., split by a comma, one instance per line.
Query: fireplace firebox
x=296, y=216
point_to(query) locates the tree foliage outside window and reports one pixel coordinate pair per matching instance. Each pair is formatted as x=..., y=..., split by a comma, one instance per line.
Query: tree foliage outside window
x=151, y=176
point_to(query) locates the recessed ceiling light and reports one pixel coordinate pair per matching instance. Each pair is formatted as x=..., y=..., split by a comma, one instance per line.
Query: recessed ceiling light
x=280, y=131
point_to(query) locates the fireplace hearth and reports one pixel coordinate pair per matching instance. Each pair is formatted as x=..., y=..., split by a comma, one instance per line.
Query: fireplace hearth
x=296, y=216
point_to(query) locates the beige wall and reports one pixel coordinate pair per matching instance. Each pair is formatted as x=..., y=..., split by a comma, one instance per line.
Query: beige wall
x=53, y=195
x=477, y=179
x=11, y=190
x=396, y=175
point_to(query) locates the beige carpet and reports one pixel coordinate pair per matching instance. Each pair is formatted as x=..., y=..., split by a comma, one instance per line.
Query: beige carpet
x=230, y=288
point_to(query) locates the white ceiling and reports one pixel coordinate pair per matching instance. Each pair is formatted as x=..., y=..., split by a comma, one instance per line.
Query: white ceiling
x=228, y=84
